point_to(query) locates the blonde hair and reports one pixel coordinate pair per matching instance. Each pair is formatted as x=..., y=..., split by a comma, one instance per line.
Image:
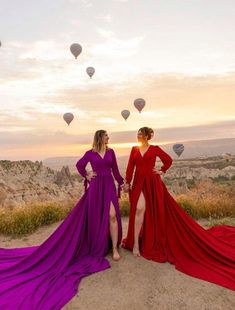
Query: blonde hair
x=98, y=140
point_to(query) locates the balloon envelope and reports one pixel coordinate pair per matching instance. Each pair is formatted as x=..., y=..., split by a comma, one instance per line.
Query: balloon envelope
x=76, y=49
x=139, y=104
x=125, y=114
x=178, y=148
x=90, y=71
x=68, y=117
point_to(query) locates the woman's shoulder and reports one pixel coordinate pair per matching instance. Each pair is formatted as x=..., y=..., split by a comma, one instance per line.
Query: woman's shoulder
x=109, y=149
x=135, y=147
x=89, y=152
x=155, y=146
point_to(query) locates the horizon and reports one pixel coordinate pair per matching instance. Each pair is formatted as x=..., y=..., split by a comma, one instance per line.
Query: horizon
x=127, y=151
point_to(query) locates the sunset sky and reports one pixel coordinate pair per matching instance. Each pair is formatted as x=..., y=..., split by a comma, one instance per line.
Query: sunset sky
x=177, y=55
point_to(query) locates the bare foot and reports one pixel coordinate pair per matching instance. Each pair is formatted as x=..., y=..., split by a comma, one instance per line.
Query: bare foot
x=116, y=255
x=136, y=251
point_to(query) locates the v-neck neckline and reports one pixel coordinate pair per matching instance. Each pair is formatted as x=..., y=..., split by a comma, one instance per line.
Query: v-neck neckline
x=101, y=156
x=144, y=152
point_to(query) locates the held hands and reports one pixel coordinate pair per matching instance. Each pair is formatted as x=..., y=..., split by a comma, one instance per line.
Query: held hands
x=126, y=187
x=91, y=175
x=157, y=171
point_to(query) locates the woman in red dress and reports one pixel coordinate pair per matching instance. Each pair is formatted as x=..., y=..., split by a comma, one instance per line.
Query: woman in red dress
x=160, y=230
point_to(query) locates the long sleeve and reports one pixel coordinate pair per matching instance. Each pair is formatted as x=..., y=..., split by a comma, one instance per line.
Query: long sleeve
x=81, y=166
x=165, y=158
x=130, y=167
x=116, y=173
x=115, y=170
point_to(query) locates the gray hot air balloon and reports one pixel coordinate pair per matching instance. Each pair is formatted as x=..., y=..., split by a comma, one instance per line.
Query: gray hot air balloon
x=90, y=71
x=125, y=114
x=178, y=148
x=76, y=49
x=68, y=117
x=139, y=104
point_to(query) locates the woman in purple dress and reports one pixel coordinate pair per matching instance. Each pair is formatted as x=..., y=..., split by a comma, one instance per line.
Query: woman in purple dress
x=47, y=276
x=103, y=201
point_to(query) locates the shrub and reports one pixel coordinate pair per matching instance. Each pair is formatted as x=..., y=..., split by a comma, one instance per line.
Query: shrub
x=124, y=205
x=209, y=200
x=24, y=220
x=205, y=200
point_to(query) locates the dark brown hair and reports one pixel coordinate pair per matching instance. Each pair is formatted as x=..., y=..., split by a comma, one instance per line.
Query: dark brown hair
x=147, y=132
x=98, y=140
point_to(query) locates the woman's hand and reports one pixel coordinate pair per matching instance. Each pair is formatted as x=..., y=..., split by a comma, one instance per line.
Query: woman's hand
x=91, y=175
x=157, y=171
x=126, y=187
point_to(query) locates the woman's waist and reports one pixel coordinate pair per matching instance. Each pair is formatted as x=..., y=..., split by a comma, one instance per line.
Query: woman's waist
x=102, y=173
x=145, y=172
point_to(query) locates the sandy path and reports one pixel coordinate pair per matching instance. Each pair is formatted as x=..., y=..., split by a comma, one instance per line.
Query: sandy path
x=136, y=283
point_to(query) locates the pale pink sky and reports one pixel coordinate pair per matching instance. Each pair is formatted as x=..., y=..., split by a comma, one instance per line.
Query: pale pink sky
x=177, y=55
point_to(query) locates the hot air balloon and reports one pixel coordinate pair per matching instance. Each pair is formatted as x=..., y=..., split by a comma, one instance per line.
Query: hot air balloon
x=76, y=49
x=0, y=43
x=68, y=117
x=125, y=114
x=139, y=104
x=227, y=156
x=90, y=71
x=178, y=149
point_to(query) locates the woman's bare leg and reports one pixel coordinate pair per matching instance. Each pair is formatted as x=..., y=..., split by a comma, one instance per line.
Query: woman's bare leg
x=139, y=217
x=114, y=231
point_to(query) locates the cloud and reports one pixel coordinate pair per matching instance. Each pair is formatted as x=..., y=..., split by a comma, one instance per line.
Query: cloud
x=61, y=85
x=225, y=129
x=35, y=61
x=106, y=120
x=104, y=33
x=85, y=3
x=106, y=17
x=36, y=145
x=114, y=47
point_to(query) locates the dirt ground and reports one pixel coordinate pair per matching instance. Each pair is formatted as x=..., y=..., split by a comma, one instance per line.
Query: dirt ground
x=137, y=284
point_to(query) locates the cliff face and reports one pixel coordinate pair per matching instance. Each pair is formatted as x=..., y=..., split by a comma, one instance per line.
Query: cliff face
x=23, y=182
x=200, y=172
x=178, y=179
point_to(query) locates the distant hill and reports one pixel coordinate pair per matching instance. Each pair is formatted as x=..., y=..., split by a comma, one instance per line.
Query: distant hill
x=204, y=148
x=193, y=149
x=23, y=182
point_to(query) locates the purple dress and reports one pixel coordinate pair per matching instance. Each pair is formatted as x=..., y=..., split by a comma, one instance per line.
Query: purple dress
x=47, y=276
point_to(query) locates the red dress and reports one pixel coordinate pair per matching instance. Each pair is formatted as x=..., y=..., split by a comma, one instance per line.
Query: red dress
x=168, y=233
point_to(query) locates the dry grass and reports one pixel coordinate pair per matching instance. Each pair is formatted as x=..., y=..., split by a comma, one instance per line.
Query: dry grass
x=209, y=200
x=124, y=205
x=206, y=200
x=224, y=221
x=26, y=219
